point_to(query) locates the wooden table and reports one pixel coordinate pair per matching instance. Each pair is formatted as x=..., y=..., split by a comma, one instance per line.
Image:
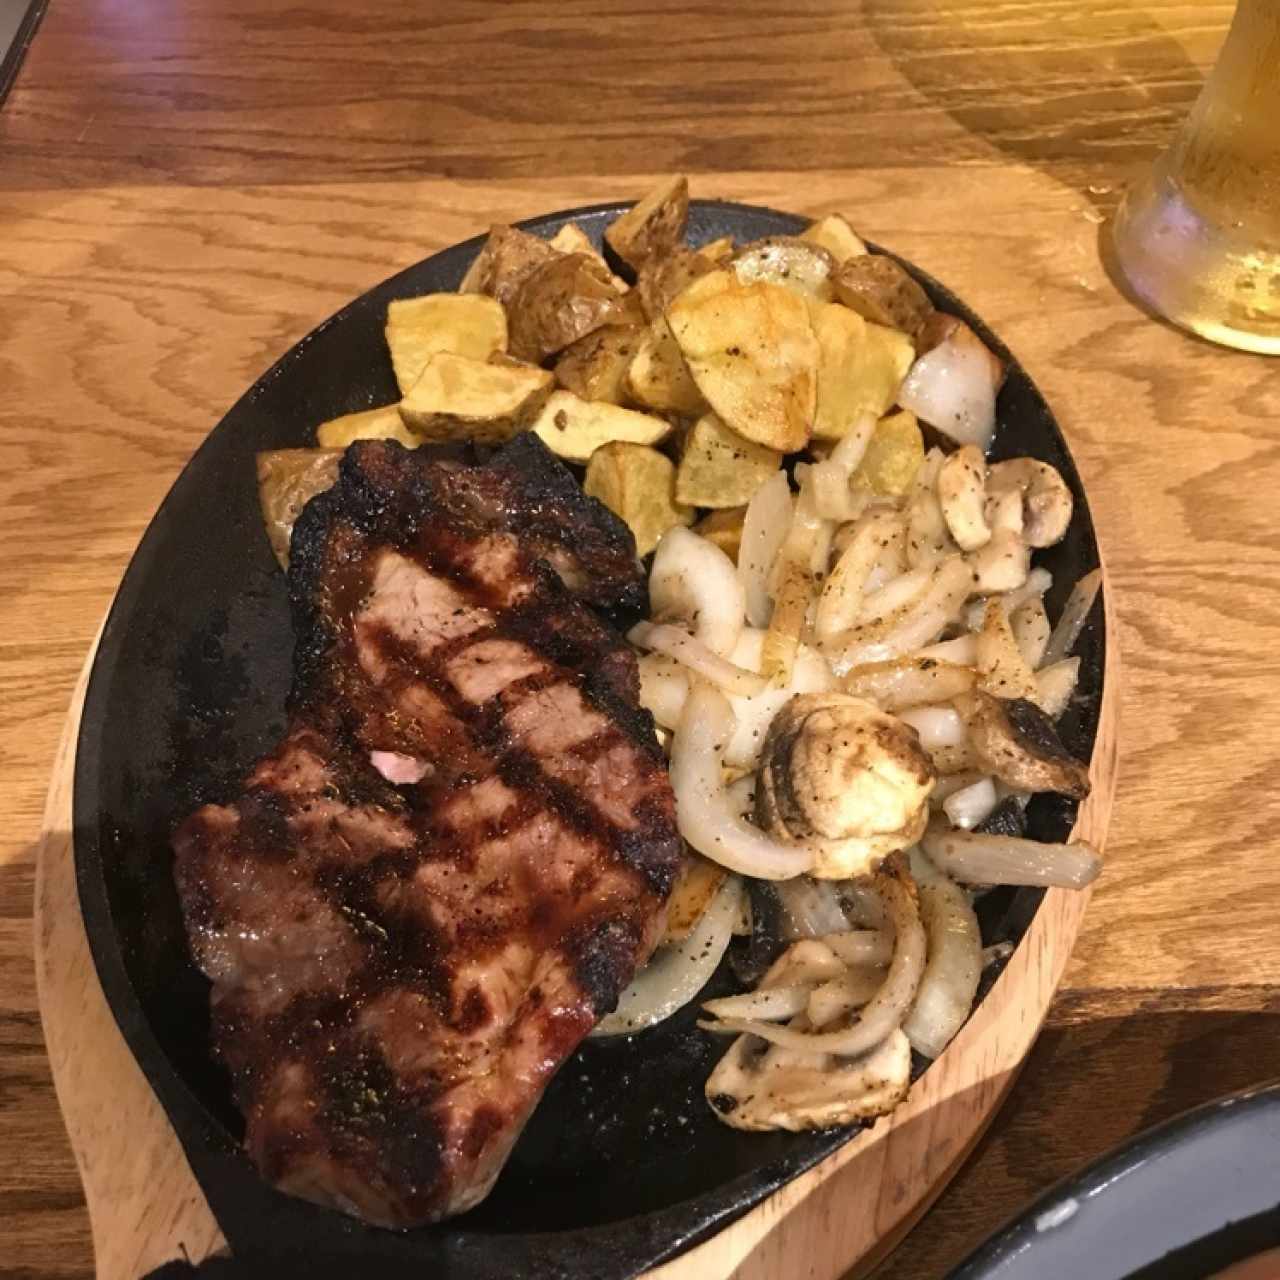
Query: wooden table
x=185, y=189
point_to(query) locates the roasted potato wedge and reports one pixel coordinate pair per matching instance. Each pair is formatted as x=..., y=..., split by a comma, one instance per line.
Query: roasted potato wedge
x=560, y=301
x=368, y=424
x=508, y=256
x=718, y=252
x=836, y=236
x=752, y=351
x=661, y=280
x=653, y=227
x=719, y=469
x=724, y=528
x=658, y=376
x=878, y=289
x=574, y=429
x=595, y=367
x=468, y=324
x=473, y=279
x=287, y=480
x=789, y=261
x=637, y=484
x=691, y=895
x=458, y=398
x=893, y=455
x=572, y=239
x=860, y=371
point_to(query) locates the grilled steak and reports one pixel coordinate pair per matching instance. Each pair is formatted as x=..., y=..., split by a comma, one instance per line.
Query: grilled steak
x=425, y=897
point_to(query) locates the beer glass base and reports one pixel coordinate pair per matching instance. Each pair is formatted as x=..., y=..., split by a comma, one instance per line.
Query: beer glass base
x=1204, y=276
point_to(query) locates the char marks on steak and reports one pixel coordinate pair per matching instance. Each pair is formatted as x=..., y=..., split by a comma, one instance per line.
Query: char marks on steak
x=398, y=970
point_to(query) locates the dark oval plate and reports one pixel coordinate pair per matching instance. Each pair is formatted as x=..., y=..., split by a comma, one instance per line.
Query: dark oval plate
x=623, y=1165
x=1182, y=1201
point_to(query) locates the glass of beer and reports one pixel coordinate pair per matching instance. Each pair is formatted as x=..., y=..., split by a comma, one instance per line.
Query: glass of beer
x=1198, y=239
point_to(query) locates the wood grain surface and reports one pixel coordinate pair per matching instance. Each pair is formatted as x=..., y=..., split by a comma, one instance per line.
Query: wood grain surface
x=187, y=189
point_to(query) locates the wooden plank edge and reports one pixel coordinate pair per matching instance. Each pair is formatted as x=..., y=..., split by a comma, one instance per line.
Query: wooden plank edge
x=145, y=1206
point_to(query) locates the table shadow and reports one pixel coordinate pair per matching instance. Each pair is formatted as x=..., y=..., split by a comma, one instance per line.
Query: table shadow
x=1087, y=97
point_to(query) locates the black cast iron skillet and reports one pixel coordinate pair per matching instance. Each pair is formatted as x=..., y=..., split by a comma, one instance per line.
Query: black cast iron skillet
x=623, y=1165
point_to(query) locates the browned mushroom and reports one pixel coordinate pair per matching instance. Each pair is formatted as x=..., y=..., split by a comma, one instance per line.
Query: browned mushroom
x=1046, y=500
x=761, y=1086
x=1013, y=739
x=845, y=778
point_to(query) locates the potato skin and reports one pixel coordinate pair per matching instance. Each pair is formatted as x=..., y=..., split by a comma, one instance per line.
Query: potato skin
x=654, y=227
x=558, y=302
x=595, y=367
x=661, y=280
x=718, y=252
x=658, y=377
x=287, y=480
x=508, y=257
x=878, y=289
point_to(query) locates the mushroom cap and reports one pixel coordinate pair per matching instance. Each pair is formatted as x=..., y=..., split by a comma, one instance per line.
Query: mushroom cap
x=760, y=1087
x=1014, y=740
x=845, y=777
x=1046, y=501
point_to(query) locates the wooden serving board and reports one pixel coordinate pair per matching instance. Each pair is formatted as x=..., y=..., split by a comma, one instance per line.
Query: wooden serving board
x=849, y=1211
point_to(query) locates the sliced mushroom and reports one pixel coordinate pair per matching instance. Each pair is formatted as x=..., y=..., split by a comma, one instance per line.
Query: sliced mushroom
x=1046, y=500
x=886, y=1006
x=1001, y=565
x=844, y=778
x=951, y=760
x=1015, y=740
x=1003, y=512
x=760, y=1087
x=962, y=492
